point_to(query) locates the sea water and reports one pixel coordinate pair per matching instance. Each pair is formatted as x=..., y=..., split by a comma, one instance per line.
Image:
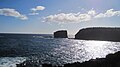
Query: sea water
x=17, y=48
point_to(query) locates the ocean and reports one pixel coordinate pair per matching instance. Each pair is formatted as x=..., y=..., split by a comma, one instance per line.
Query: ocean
x=43, y=48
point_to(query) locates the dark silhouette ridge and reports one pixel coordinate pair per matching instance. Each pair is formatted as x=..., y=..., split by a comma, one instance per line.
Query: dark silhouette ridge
x=61, y=34
x=99, y=33
x=111, y=60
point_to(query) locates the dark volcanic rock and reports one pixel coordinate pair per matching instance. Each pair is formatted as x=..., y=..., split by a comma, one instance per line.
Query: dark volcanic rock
x=99, y=33
x=46, y=65
x=60, y=34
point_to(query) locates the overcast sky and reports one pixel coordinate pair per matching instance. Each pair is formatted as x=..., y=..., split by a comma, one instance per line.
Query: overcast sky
x=47, y=16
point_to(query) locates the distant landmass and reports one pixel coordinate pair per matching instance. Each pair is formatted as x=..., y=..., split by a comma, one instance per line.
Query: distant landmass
x=61, y=34
x=99, y=33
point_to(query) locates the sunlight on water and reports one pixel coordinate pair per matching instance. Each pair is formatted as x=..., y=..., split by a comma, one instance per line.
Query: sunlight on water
x=97, y=48
x=56, y=51
x=11, y=61
x=86, y=50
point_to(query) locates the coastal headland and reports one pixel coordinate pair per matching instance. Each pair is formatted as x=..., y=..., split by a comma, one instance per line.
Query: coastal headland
x=99, y=33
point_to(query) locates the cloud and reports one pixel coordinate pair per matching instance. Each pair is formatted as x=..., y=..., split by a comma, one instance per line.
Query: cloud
x=38, y=8
x=69, y=17
x=12, y=13
x=34, y=13
x=80, y=17
x=108, y=13
x=92, y=12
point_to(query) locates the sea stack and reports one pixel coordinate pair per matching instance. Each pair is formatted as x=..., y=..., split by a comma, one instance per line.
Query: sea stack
x=61, y=34
x=99, y=33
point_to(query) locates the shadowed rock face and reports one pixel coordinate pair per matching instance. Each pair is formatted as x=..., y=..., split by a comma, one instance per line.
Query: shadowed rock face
x=99, y=33
x=60, y=34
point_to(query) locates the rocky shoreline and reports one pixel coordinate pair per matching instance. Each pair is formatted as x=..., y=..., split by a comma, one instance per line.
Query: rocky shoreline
x=111, y=60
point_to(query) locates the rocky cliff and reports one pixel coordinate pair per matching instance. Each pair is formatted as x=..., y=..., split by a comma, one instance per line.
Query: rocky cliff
x=60, y=34
x=99, y=33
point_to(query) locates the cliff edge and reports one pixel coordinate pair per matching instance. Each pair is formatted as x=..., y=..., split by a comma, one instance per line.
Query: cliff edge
x=99, y=33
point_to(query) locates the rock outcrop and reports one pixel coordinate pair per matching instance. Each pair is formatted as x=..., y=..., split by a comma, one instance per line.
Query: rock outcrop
x=60, y=34
x=99, y=33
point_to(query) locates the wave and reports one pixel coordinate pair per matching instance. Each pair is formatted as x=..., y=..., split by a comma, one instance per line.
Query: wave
x=11, y=61
x=43, y=37
x=1, y=36
x=38, y=37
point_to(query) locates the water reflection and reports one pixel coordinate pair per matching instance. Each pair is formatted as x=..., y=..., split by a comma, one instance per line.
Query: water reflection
x=86, y=50
x=97, y=49
x=57, y=51
x=81, y=50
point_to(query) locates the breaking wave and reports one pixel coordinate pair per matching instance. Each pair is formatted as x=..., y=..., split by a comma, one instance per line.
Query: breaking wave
x=11, y=61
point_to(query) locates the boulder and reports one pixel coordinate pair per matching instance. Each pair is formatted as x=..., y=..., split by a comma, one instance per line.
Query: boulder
x=61, y=34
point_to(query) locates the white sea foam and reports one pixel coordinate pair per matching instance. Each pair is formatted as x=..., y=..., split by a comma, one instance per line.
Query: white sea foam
x=38, y=36
x=11, y=61
x=42, y=37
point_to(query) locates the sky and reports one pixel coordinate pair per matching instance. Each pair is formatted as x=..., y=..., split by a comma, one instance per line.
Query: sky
x=48, y=16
